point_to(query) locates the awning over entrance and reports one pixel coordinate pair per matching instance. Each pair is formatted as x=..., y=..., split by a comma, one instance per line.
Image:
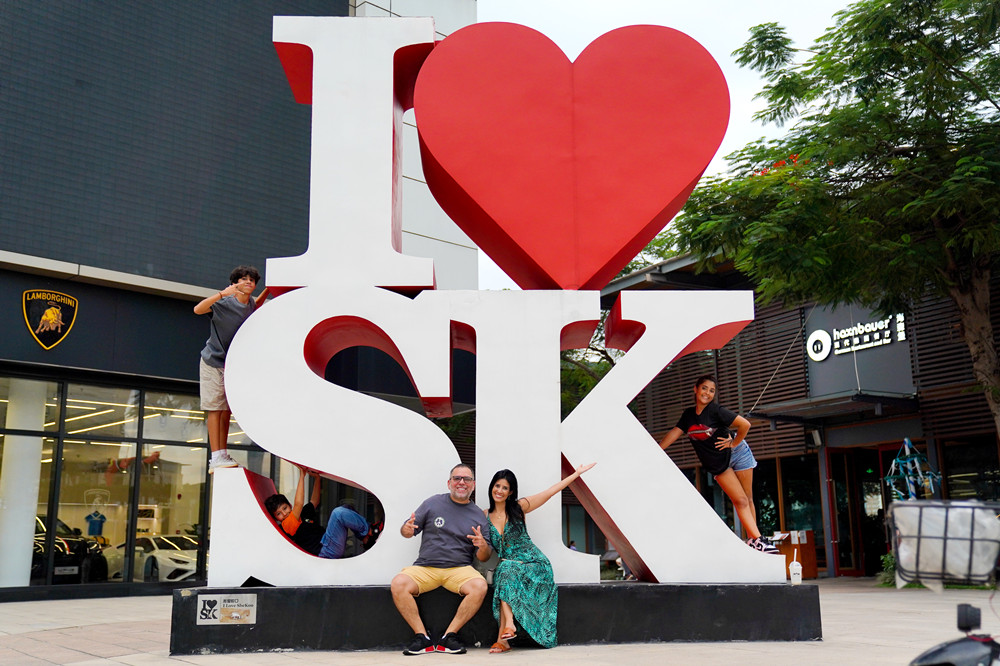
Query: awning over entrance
x=818, y=409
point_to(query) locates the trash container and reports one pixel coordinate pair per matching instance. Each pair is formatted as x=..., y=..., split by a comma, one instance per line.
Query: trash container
x=939, y=541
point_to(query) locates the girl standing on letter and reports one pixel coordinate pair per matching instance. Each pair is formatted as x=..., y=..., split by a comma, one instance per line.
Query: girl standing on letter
x=724, y=455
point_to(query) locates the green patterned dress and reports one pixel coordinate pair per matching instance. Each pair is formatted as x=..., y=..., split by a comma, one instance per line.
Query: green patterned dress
x=524, y=580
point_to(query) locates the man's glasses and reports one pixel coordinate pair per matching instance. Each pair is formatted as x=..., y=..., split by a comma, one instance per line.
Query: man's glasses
x=460, y=479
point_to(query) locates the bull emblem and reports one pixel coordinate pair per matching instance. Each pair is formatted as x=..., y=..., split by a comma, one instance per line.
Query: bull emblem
x=51, y=320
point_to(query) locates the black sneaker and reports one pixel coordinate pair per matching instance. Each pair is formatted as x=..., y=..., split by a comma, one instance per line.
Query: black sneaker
x=449, y=643
x=420, y=644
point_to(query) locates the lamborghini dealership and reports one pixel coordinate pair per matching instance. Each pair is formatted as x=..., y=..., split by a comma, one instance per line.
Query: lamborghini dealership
x=148, y=149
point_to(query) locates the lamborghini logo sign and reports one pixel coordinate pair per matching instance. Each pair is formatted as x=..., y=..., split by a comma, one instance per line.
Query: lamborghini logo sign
x=49, y=316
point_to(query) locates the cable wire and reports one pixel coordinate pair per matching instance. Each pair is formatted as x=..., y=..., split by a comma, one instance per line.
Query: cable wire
x=787, y=351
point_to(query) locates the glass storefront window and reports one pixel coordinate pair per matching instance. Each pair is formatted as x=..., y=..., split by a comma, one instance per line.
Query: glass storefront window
x=178, y=417
x=803, y=505
x=106, y=458
x=15, y=392
x=173, y=416
x=31, y=555
x=94, y=504
x=97, y=411
x=25, y=472
x=971, y=468
x=765, y=497
x=171, y=486
x=287, y=478
x=236, y=434
x=45, y=473
x=258, y=462
x=715, y=496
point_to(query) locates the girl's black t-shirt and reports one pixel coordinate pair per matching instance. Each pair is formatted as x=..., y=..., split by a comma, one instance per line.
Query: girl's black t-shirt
x=705, y=430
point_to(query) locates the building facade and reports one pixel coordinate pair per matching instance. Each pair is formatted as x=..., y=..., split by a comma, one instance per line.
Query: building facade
x=832, y=393
x=148, y=149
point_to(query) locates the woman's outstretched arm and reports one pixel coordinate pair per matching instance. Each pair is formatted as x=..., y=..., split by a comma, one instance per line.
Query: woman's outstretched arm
x=532, y=502
x=670, y=437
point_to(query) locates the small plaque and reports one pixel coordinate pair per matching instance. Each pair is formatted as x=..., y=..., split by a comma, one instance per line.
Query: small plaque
x=227, y=609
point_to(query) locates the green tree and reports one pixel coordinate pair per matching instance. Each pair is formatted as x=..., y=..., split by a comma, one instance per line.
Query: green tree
x=885, y=185
x=578, y=377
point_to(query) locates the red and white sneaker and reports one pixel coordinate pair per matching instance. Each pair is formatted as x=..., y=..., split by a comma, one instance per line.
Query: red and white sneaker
x=449, y=643
x=420, y=644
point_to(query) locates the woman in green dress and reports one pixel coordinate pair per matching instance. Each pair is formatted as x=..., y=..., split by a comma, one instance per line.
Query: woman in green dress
x=523, y=587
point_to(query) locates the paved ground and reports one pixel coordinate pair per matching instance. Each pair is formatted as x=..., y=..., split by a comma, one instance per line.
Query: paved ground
x=862, y=624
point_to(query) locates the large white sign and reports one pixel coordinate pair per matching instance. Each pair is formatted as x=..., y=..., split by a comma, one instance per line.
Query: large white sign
x=334, y=297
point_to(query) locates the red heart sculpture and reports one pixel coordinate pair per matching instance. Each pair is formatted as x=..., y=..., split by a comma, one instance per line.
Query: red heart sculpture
x=563, y=171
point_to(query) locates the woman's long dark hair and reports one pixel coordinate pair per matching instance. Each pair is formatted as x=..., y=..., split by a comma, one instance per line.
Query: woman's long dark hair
x=514, y=510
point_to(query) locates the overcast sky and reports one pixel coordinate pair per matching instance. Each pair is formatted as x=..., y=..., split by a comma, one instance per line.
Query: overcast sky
x=721, y=26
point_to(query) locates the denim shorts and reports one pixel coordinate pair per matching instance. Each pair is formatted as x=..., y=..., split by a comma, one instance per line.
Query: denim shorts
x=742, y=458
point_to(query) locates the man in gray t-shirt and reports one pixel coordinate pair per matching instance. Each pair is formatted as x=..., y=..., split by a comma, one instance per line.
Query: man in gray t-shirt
x=452, y=530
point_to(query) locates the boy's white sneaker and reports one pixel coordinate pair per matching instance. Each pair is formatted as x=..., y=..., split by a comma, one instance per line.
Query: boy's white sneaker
x=225, y=460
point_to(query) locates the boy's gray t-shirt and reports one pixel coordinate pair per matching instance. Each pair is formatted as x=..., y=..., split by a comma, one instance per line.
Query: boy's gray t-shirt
x=444, y=526
x=227, y=315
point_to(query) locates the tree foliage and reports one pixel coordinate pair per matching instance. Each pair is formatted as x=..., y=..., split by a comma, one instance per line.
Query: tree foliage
x=886, y=182
x=581, y=369
x=578, y=376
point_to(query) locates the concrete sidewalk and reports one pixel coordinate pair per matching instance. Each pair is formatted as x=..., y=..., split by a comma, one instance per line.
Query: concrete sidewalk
x=862, y=624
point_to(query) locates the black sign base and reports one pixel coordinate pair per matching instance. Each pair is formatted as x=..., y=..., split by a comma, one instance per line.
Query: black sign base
x=364, y=618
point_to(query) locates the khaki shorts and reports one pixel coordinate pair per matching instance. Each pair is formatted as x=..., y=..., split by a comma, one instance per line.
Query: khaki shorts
x=431, y=578
x=213, y=388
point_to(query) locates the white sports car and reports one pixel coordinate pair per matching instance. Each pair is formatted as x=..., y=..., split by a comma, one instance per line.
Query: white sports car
x=163, y=558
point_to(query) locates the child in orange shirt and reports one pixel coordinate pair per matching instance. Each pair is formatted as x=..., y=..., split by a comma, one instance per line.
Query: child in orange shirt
x=301, y=521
